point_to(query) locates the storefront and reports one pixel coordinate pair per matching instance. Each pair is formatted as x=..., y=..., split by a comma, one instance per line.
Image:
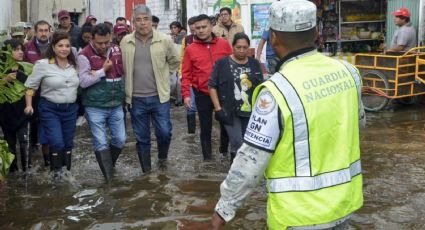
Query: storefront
x=345, y=27
x=351, y=26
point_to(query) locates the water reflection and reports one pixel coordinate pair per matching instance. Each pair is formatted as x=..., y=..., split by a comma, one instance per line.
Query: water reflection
x=183, y=197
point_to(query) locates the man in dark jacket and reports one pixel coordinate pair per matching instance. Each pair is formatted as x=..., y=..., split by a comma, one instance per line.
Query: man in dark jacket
x=34, y=50
x=198, y=62
x=66, y=25
x=101, y=74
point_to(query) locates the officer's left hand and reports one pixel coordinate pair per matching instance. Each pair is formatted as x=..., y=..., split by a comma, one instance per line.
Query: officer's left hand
x=217, y=222
x=223, y=117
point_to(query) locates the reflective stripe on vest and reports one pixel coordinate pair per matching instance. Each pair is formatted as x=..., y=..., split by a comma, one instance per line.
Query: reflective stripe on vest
x=354, y=73
x=301, y=145
x=356, y=77
x=303, y=181
x=293, y=184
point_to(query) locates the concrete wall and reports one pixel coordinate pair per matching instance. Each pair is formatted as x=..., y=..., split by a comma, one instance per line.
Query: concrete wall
x=107, y=10
x=48, y=9
x=6, y=12
x=165, y=16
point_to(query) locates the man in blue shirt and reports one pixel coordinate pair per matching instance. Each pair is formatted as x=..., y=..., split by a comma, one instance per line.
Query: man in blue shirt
x=271, y=57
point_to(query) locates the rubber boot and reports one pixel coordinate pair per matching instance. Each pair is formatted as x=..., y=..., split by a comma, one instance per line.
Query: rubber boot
x=23, y=134
x=45, y=152
x=115, y=152
x=104, y=159
x=55, y=162
x=206, y=150
x=25, y=156
x=14, y=165
x=224, y=141
x=232, y=156
x=191, y=123
x=145, y=161
x=46, y=160
x=162, y=156
x=68, y=159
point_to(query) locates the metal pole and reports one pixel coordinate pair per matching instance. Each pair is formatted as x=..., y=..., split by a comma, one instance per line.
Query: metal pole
x=421, y=35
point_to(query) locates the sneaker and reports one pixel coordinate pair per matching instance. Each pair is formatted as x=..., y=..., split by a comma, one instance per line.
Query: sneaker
x=81, y=120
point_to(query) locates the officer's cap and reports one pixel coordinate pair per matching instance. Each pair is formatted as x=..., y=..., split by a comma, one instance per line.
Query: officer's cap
x=292, y=15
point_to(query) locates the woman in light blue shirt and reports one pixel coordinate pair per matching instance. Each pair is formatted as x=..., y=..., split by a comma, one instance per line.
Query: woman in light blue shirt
x=57, y=78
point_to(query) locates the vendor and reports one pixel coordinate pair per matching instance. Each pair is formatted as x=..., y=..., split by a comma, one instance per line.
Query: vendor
x=405, y=36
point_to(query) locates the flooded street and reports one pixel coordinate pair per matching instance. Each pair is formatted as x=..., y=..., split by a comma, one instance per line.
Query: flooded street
x=183, y=196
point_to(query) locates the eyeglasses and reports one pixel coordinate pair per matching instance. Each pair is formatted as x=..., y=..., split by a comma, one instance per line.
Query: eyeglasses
x=224, y=14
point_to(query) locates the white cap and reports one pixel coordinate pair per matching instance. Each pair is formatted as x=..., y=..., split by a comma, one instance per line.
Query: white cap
x=292, y=15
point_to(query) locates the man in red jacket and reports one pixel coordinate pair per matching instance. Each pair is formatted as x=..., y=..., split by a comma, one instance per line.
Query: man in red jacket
x=198, y=62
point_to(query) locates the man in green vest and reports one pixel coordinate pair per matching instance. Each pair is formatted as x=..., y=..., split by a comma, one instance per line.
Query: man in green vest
x=303, y=134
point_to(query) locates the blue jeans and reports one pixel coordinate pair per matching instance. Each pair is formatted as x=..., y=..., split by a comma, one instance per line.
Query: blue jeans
x=193, y=110
x=142, y=110
x=100, y=119
x=58, y=121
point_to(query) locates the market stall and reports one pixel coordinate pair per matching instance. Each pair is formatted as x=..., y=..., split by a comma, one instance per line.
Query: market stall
x=351, y=26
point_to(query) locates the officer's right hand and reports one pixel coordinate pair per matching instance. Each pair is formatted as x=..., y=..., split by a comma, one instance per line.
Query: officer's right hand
x=28, y=110
x=107, y=65
x=188, y=102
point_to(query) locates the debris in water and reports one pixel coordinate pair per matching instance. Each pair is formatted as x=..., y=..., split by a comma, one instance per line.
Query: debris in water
x=85, y=206
x=85, y=192
x=74, y=218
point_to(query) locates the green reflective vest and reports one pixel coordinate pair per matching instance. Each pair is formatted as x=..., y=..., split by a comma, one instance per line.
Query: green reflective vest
x=314, y=176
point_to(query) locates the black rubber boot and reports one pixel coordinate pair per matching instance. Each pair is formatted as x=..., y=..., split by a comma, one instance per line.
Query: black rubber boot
x=45, y=151
x=25, y=156
x=104, y=159
x=145, y=161
x=115, y=152
x=224, y=141
x=162, y=164
x=206, y=150
x=68, y=159
x=46, y=160
x=55, y=161
x=14, y=166
x=162, y=156
x=191, y=123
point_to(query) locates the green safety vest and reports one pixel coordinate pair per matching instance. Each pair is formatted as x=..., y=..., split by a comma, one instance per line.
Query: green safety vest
x=314, y=176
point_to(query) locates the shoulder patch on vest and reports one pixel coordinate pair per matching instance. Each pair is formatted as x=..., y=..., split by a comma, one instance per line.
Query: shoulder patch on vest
x=263, y=127
x=265, y=103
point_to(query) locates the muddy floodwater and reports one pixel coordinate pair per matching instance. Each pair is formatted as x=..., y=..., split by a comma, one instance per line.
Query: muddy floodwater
x=183, y=196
